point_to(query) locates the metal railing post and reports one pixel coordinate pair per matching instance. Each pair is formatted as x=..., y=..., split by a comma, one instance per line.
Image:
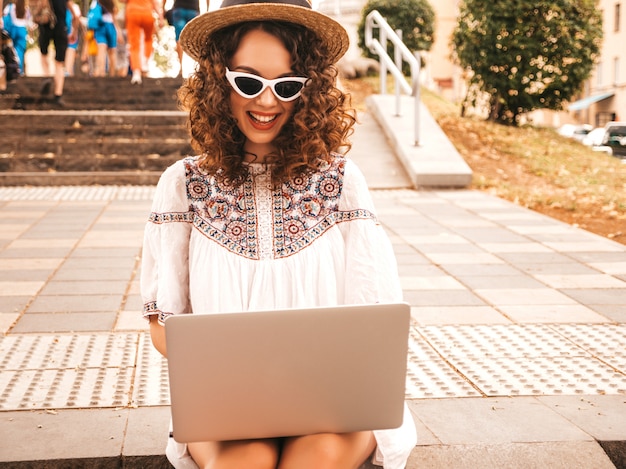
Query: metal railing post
x=383, y=65
x=375, y=20
x=397, y=60
x=416, y=94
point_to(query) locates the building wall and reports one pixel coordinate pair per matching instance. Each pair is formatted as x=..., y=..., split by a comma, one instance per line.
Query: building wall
x=610, y=72
x=444, y=76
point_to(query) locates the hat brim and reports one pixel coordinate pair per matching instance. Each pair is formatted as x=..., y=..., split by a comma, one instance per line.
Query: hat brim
x=195, y=35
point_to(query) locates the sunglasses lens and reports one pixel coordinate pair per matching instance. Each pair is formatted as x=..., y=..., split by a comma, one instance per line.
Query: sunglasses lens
x=288, y=89
x=249, y=86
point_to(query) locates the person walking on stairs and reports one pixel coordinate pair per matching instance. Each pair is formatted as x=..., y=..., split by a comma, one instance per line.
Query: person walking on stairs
x=140, y=18
x=58, y=34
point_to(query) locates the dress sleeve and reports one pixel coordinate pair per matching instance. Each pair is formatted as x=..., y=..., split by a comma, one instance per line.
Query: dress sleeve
x=165, y=255
x=371, y=269
x=372, y=277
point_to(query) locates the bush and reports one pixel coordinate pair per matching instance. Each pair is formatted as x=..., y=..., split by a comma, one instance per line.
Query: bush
x=527, y=54
x=415, y=18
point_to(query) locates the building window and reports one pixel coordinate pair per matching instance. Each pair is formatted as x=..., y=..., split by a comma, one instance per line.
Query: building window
x=616, y=71
x=617, y=16
x=603, y=117
x=599, y=74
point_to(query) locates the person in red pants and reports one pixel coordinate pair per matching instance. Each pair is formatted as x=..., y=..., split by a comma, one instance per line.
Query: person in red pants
x=140, y=17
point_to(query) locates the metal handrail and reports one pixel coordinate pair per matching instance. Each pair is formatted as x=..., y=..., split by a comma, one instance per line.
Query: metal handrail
x=401, y=53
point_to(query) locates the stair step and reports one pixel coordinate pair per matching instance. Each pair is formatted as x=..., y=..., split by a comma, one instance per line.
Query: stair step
x=92, y=140
x=86, y=148
x=80, y=178
x=91, y=93
x=79, y=118
x=93, y=162
x=96, y=132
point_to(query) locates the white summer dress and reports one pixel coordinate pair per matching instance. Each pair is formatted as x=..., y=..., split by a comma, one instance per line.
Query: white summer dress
x=314, y=241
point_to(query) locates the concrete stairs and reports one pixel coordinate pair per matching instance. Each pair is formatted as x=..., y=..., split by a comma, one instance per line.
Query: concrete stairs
x=88, y=93
x=108, y=131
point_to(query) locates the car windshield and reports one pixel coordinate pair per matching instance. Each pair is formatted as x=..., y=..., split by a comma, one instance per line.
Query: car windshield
x=618, y=131
x=615, y=135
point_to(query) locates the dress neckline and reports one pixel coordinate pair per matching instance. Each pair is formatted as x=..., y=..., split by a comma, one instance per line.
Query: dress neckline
x=257, y=168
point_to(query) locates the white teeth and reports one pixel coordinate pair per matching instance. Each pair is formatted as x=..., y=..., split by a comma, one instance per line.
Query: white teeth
x=263, y=119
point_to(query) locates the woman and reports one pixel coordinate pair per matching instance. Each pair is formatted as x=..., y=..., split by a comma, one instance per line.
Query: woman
x=269, y=215
x=61, y=35
x=140, y=19
x=106, y=35
x=182, y=13
x=16, y=24
x=72, y=47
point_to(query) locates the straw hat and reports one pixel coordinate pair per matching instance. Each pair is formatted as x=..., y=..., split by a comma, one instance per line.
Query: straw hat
x=195, y=35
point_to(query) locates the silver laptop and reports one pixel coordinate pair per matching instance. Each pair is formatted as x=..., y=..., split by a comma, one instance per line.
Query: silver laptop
x=287, y=372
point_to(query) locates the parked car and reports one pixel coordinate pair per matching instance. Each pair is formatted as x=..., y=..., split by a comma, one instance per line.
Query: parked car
x=594, y=138
x=615, y=138
x=577, y=132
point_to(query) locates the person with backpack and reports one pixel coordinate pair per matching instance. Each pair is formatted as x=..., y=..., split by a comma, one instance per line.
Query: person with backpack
x=15, y=17
x=101, y=18
x=53, y=27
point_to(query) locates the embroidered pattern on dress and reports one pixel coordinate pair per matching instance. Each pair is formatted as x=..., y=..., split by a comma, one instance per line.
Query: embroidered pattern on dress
x=171, y=217
x=287, y=219
x=151, y=308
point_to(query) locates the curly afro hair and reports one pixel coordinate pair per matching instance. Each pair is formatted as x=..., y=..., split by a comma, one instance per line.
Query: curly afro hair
x=320, y=125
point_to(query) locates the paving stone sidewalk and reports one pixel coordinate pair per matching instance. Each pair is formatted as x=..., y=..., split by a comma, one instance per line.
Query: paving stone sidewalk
x=519, y=332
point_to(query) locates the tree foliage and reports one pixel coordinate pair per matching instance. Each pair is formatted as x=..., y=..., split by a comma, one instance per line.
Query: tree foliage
x=415, y=18
x=524, y=54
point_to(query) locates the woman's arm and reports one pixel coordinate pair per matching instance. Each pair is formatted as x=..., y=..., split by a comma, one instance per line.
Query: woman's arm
x=157, y=333
x=75, y=21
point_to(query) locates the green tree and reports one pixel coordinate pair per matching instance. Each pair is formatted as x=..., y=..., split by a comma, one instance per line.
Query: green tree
x=524, y=54
x=415, y=18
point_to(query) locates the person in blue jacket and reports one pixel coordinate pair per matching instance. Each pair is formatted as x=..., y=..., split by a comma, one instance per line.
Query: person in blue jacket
x=182, y=13
x=15, y=17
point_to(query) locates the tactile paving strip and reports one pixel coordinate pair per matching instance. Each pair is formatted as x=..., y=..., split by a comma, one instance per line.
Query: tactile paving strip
x=602, y=340
x=123, y=369
x=531, y=359
x=429, y=376
x=151, y=382
x=32, y=352
x=66, y=370
x=541, y=376
x=65, y=388
x=112, y=192
x=79, y=193
x=512, y=340
x=606, y=342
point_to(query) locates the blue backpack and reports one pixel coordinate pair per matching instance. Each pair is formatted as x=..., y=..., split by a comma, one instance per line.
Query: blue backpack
x=94, y=17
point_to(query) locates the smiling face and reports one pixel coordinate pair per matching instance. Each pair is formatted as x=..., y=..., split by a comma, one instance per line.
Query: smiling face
x=261, y=118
